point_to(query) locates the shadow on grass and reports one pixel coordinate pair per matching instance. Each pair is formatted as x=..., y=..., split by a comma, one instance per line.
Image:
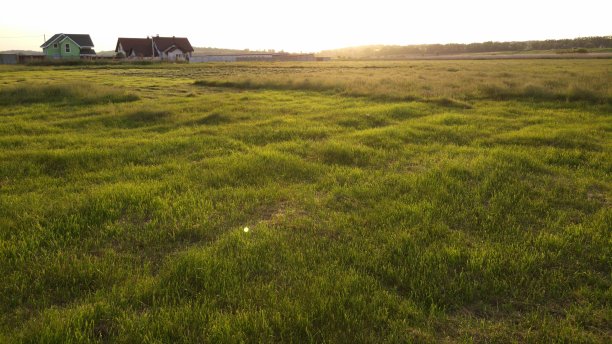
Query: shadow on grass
x=212, y=119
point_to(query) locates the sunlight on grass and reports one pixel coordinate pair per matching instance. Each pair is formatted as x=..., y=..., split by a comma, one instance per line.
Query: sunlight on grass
x=420, y=201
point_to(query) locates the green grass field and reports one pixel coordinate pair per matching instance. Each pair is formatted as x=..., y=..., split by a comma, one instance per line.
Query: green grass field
x=423, y=201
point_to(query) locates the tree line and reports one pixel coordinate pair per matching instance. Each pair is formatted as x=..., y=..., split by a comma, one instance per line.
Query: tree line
x=582, y=44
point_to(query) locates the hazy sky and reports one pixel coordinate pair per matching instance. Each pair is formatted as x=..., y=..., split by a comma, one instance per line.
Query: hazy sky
x=307, y=26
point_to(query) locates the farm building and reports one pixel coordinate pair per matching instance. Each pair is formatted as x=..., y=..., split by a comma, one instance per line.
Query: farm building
x=68, y=46
x=20, y=58
x=231, y=58
x=9, y=58
x=294, y=57
x=253, y=57
x=155, y=48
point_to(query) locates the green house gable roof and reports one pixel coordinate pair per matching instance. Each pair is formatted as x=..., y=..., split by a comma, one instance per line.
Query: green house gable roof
x=51, y=40
x=79, y=39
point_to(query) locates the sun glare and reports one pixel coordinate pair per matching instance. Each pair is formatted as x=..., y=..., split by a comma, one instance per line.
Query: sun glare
x=308, y=27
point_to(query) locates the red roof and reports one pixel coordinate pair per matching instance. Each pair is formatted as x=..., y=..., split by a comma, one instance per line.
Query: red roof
x=143, y=47
x=164, y=43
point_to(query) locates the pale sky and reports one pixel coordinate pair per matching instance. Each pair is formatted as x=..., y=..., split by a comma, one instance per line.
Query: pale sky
x=307, y=26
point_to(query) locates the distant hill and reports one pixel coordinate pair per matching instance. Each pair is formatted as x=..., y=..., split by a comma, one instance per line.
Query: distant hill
x=583, y=44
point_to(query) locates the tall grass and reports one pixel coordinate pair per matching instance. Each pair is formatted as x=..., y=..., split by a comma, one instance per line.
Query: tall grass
x=574, y=92
x=432, y=80
x=79, y=93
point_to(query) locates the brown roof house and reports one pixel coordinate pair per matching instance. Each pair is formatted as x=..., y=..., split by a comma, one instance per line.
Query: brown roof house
x=155, y=48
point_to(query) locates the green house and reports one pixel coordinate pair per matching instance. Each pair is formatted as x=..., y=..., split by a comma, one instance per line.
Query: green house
x=68, y=45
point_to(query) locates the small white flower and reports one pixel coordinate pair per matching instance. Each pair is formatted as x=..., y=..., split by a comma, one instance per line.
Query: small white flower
x=246, y=229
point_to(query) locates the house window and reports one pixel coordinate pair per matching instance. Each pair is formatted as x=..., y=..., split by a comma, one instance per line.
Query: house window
x=67, y=47
x=55, y=45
